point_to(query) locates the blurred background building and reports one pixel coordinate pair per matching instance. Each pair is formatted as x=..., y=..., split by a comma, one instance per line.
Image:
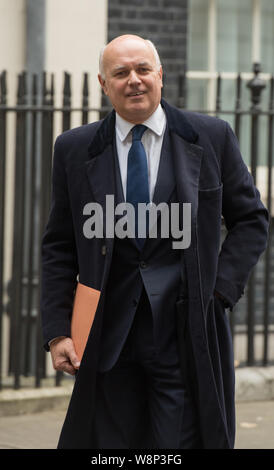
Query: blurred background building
x=217, y=56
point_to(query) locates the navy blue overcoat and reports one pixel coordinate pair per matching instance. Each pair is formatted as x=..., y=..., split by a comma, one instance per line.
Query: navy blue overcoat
x=211, y=175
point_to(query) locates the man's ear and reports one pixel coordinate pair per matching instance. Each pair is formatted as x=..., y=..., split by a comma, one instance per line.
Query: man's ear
x=102, y=83
x=160, y=73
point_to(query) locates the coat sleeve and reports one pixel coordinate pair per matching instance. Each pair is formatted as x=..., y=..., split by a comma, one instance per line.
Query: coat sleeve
x=246, y=220
x=59, y=259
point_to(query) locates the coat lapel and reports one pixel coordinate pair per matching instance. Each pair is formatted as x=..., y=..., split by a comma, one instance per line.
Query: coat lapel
x=100, y=173
x=187, y=156
x=100, y=166
x=165, y=179
x=187, y=159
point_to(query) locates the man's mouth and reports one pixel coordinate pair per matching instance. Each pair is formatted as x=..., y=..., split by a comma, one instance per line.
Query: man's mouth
x=137, y=93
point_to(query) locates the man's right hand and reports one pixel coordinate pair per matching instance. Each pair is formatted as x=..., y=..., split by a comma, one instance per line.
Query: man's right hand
x=63, y=355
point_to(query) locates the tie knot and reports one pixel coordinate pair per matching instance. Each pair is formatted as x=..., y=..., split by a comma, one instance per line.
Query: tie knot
x=137, y=131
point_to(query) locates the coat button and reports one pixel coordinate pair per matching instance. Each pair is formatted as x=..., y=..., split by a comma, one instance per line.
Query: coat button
x=143, y=264
x=103, y=250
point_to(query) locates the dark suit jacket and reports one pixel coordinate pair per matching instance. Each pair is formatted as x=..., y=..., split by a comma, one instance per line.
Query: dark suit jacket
x=211, y=175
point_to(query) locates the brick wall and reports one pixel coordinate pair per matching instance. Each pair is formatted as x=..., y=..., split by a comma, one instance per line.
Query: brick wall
x=164, y=22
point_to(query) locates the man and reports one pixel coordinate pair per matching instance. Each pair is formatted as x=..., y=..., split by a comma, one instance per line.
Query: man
x=157, y=371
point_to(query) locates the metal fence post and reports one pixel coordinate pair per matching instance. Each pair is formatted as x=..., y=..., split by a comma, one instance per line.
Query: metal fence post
x=182, y=90
x=218, y=94
x=85, y=97
x=237, y=125
x=44, y=205
x=256, y=86
x=18, y=234
x=3, y=101
x=267, y=272
x=31, y=238
x=66, y=101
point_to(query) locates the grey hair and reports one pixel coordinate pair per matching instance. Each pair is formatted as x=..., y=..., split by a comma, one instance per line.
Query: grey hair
x=154, y=50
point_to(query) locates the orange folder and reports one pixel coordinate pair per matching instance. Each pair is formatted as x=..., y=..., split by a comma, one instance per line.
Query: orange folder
x=85, y=304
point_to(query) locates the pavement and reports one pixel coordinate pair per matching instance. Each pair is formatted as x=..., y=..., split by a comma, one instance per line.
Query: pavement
x=255, y=428
x=255, y=425
x=32, y=419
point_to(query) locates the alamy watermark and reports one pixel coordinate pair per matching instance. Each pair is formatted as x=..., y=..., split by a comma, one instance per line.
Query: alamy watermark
x=145, y=221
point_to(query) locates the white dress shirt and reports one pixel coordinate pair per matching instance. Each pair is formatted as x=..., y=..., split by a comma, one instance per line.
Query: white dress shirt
x=152, y=140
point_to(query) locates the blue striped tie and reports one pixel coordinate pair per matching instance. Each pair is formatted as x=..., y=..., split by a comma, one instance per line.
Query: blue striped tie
x=137, y=175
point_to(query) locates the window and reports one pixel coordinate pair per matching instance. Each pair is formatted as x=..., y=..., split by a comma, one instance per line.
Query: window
x=227, y=37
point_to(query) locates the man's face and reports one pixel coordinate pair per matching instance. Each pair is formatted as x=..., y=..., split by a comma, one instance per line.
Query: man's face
x=132, y=80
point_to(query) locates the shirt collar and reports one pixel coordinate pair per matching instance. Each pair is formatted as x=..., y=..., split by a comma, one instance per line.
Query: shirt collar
x=156, y=123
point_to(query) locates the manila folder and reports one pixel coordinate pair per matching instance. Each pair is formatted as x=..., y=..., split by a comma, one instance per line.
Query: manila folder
x=85, y=304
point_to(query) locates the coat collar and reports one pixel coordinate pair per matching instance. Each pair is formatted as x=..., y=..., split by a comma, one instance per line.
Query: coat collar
x=176, y=119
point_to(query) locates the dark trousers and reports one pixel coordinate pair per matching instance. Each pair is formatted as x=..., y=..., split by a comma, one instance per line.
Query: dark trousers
x=142, y=401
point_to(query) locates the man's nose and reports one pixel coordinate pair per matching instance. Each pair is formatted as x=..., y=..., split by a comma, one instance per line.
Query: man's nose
x=133, y=78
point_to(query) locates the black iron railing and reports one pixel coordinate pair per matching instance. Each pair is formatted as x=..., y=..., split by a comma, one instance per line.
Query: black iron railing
x=33, y=133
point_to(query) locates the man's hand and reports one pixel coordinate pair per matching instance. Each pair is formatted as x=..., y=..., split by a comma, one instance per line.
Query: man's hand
x=63, y=355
